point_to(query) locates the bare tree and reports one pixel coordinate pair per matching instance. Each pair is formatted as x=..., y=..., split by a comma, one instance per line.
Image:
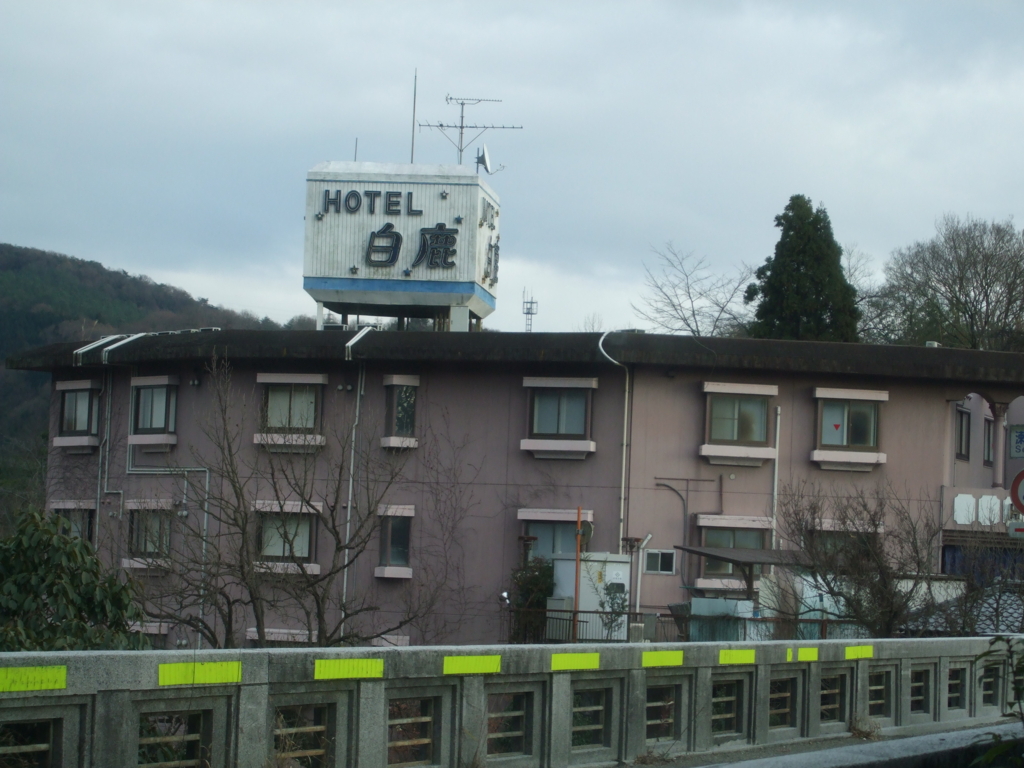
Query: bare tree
x=220, y=574
x=858, y=268
x=592, y=323
x=683, y=295
x=868, y=556
x=963, y=288
x=987, y=595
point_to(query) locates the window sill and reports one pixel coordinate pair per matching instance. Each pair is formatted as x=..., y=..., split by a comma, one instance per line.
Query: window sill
x=286, y=569
x=848, y=461
x=77, y=441
x=145, y=563
x=153, y=438
x=731, y=584
x=399, y=442
x=737, y=455
x=159, y=442
x=558, y=449
x=392, y=572
x=288, y=443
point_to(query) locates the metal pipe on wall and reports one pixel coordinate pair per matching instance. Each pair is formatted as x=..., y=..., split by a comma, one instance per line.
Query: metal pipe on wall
x=625, y=439
x=775, y=472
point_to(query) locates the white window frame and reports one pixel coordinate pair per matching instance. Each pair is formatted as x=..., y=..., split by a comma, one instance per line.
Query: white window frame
x=660, y=552
x=392, y=439
x=555, y=446
x=387, y=512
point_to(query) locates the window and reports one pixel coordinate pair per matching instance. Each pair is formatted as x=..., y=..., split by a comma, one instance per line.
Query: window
x=173, y=739
x=955, y=690
x=411, y=732
x=155, y=409
x=394, y=540
x=739, y=419
x=726, y=700
x=990, y=686
x=781, y=700
x=401, y=410
x=660, y=561
x=730, y=538
x=833, y=698
x=79, y=414
x=27, y=744
x=76, y=522
x=151, y=532
x=849, y=423
x=508, y=717
x=963, y=434
x=919, y=679
x=300, y=736
x=661, y=713
x=291, y=407
x=988, y=449
x=879, y=697
x=553, y=538
x=559, y=413
x=286, y=538
x=589, y=718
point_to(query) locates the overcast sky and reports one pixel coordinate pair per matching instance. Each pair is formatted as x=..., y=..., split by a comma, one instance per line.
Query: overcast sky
x=172, y=139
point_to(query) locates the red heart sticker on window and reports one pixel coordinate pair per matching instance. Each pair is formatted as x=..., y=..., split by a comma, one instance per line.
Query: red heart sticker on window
x=836, y=426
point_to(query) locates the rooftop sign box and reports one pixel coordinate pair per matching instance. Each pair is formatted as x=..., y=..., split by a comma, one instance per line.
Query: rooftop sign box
x=395, y=239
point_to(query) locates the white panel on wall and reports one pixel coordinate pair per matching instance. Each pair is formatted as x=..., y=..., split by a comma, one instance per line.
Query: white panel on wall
x=963, y=508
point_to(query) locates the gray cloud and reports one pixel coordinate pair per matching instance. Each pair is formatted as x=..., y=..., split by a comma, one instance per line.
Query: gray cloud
x=173, y=138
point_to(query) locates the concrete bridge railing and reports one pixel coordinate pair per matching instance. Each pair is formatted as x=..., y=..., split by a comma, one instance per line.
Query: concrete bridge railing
x=510, y=706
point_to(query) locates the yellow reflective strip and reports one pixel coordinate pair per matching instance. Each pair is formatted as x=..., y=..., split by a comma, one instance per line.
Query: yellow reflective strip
x=33, y=679
x=663, y=658
x=737, y=657
x=789, y=654
x=200, y=673
x=806, y=654
x=340, y=669
x=472, y=665
x=567, y=661
x=860, y=651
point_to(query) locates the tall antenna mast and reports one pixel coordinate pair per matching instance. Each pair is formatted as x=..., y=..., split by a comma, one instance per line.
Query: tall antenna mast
x=412, y=151
x=529, y=309
x=461, y=144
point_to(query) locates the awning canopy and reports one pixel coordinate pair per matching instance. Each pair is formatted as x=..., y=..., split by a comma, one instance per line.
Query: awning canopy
x=746, y=559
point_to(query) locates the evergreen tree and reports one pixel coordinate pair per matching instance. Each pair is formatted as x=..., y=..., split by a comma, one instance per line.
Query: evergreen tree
x=802, y=292
x=56, y=596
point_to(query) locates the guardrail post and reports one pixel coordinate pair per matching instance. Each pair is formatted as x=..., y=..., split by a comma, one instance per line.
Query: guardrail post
x=812, y=697
x=901, y=693
x=700, y=712
x=760, y=702
x=560, y=731
x=635, y=715
x=371, y=726
x=861, y=672
x=115, y=729
x=255, y=717
x=473, y=731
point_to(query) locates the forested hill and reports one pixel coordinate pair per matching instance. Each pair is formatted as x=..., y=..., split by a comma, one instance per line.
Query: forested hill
x=48, y=297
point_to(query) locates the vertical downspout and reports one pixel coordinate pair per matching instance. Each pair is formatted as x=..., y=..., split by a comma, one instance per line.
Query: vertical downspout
x=775, y=472
x=625, y=439
x=351, y=470
x=640, y=568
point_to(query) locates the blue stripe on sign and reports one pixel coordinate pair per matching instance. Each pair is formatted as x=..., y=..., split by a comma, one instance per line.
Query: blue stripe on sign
x=398, y=286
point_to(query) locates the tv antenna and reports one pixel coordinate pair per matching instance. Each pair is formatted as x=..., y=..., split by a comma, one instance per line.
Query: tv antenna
x=529, y=309
x=461, y=144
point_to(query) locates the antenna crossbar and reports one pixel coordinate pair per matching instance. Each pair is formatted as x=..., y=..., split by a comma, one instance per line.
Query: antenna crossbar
x=461, y=143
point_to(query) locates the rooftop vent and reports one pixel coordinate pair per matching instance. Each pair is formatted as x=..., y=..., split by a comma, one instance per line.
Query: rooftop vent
x=932, y=344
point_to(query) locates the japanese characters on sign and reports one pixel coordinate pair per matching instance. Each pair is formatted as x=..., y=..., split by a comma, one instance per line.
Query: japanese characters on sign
x=1016, y=441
